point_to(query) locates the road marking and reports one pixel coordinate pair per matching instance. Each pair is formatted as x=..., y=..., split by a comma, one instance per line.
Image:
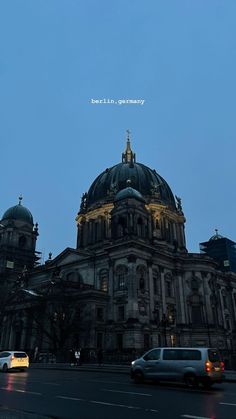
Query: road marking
x=127, y=392
x=229, y=404
x=21, y=391
x=29, y=392
x=71, y=398
x=108, y=404
x=194, y=417
x=115, y=405
x=98, y=402
x=107, y=382
x=52, y=384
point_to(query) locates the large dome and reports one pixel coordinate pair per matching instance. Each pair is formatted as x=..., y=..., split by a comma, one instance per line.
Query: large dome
x=18, y=212
x=130, y=174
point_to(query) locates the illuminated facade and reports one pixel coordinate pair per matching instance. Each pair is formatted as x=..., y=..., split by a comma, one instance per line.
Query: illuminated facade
x=130, y=282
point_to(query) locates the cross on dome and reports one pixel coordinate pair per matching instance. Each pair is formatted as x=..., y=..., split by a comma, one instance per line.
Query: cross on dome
x=128, y=156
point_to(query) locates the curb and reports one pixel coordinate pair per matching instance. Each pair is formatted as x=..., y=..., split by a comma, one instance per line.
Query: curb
x=119, y=369
x=86, y=369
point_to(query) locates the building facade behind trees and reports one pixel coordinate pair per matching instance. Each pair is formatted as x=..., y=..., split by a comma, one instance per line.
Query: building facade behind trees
x=130, y=283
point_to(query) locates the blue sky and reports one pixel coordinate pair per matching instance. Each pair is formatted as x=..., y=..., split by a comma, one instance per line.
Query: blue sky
x=179, y=56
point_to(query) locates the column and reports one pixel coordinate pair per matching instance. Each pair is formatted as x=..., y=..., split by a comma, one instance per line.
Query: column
x=151, y=291
x=111, y=314
x=163, y=293
x=181, y=316
x=132, y=306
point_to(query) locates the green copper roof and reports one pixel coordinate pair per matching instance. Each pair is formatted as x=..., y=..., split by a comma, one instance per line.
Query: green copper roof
x=129, y=193
x=151, y=186
x=18, y=212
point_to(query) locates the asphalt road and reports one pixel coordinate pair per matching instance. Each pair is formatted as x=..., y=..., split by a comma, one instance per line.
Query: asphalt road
x=40, y=394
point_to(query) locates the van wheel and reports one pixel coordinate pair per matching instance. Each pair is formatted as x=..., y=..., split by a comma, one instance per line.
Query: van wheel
x=207, y=385
x=138, y=377
x=5, y=368
x=191, y=380
x=156, y=381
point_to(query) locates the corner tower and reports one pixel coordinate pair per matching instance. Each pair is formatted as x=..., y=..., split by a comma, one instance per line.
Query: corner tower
x=18, y=236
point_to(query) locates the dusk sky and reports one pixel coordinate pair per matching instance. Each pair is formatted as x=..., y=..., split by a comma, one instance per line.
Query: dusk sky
x=179, y=56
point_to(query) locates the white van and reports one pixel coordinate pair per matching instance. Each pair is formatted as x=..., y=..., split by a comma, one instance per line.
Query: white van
x=190, y=365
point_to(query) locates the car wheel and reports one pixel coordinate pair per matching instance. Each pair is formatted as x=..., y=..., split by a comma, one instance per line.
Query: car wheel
x=138, y=377
x=191, y=380
x=5, y=368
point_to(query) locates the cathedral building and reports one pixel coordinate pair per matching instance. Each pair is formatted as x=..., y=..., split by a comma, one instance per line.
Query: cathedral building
x=130, y=283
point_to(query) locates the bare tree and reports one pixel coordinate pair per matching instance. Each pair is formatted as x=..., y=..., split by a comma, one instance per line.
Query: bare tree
x=54, y=309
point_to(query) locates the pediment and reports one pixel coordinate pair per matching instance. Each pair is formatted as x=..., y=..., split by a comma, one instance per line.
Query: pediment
x=68, y=256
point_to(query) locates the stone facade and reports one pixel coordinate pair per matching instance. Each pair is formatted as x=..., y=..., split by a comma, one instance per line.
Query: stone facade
x=130, y=284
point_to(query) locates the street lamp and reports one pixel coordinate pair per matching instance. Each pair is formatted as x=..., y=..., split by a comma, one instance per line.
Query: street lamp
x=167, y=321
x=164, y=323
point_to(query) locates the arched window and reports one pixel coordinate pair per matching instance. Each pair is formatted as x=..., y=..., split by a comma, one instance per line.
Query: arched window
x=224, y=299
x=104, y=228
x=156, y=282
x=194, y=284
x=146, y=341
x=168, y=288
x=22, y=241
x=196, y=309
x=140, y=227
x=74, y=277
x=121, y=227
x=196, y=314
x=168, y=285
x=168, y=235
x=141, y=277
x=103, y=280
x=121, y=277
x=96, y=231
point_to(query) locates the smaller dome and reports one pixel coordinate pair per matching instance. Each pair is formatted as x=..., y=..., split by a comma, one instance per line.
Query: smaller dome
x=18, y=212
x=129, y=193
x=216, y=236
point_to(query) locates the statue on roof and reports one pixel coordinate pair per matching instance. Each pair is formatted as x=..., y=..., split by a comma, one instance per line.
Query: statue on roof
x=84, y=199
x=179, y=204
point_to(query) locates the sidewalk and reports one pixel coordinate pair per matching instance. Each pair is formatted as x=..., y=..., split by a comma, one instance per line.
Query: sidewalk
x=230, y=376
x=110, y=368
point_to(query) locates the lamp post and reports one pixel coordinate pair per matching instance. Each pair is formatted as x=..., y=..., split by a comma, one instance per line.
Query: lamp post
x=156, y=317
x=168, y=321
x=164, y=323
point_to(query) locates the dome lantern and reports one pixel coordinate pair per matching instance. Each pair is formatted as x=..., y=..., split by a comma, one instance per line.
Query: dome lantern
x=128, y=156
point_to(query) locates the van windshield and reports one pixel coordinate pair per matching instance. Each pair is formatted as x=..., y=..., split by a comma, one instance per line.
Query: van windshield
x=213, y=356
